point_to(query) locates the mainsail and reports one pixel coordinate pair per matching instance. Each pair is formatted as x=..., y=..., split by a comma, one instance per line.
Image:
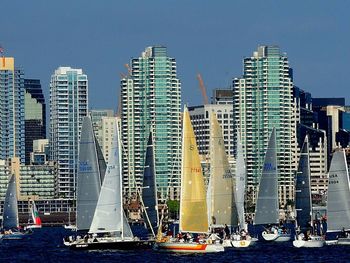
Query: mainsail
x=109, y=214
x=302, y=189
x=193, y=205
x=220, y=190
x=241, y=174
x=338, y=203
x=266, y=211
x=10, y=216
x=149, y=189
x=89, y=177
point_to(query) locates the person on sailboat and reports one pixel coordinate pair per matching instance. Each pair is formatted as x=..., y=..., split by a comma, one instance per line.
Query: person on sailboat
x=227, y=232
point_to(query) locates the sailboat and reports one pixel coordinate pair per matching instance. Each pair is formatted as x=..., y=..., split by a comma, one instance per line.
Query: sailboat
x=267, y=206
x=193, y=204
x=109, y=227
x=10, y=222
x=242, y=238
x=149, y=190
x=303, y=205
x=70, y=226
x=34, y=217
x=338, y=203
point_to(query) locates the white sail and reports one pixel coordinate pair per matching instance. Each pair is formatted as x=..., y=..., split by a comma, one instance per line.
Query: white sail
x=109, y=214
x=338, y=203
x=241, y=175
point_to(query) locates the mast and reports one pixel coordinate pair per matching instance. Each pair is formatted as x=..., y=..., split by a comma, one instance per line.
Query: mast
x=120, y=180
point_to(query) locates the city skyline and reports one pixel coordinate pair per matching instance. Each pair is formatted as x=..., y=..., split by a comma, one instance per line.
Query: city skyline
x=204, y=37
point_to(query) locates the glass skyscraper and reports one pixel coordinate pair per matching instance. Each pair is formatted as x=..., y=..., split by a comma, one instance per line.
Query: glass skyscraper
x=35, y=115
x=151, y=101
x=263, y=100
x=12, y=142
x=68, y=106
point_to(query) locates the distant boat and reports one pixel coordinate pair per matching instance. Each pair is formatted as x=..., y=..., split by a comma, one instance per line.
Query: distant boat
x=10, y=223
x=70, y=226
x=34, y=217
x=193, y=204
x=109, y=227
x=149, y=190
x=338, y=203
x=267, y=205
x=303, y=205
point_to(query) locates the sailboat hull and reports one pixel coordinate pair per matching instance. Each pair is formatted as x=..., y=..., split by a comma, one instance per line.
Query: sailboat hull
x=179, y=247
x=33, y=226
x=340, y=241
x=109, y=244
x=277, y=237
x=15, y=236
x=314, y=241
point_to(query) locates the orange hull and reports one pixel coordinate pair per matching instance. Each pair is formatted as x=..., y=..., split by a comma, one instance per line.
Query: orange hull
x=188, y=247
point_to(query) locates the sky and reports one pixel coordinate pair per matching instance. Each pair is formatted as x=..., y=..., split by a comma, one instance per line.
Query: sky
x=206, y=37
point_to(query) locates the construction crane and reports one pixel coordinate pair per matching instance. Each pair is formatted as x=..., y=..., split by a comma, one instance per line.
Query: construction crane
x=202, y=87
x=128, y=68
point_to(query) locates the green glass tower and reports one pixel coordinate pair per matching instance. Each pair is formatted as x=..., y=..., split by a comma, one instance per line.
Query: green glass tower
x=263, y=100
x=151, y=101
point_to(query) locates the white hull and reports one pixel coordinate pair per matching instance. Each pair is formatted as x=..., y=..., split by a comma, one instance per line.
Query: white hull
x=340, y=241
x=314, y=241
x=70, y=227
x=276, y=237
x=179, y=247
x=33, y=226
x=229, y=243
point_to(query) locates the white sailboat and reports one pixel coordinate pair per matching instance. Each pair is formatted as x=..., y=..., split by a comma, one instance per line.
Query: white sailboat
x=242, y=238
x=70, y=226
x=338, y=203
x=267, y=205
x=303, y=205
x=109, y=227
x=193, y=204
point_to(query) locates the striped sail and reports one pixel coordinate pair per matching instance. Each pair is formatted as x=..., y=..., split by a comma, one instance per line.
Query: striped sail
x=193, y=205
x=35, y=215
x=109, y=214
x=10, y=216
x=338, y=203
x=89, y=177
x=303, y=205
x=221, y=184
x=241, y=175
x=266, y=210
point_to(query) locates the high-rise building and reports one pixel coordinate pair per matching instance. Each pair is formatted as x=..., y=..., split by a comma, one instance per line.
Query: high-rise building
x=35, y=115
x=68, y=106
x=317, y=142
x=12, y=142
x=200, y=118
x=262, y=101
x=151, y=101
x=96, y=119
x=108, y=131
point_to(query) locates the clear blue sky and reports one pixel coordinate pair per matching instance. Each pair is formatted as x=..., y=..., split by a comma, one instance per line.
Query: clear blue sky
x=210, y=37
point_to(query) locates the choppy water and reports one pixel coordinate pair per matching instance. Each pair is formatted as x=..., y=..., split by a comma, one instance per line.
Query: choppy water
x=45, y=245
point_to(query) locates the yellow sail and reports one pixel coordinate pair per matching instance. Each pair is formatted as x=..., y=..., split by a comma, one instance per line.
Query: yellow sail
x=220, y=190
x=193, y=205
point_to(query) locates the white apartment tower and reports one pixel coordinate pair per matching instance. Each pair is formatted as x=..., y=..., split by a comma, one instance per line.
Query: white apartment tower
x=68, y=106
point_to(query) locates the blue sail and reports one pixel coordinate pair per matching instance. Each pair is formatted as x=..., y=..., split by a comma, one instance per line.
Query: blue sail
x=10, y=216
x=149, y=190
x=302, y=189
